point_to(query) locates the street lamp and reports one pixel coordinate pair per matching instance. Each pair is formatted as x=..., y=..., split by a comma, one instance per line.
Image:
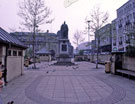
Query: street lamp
x=89, y=36
x=88, y=30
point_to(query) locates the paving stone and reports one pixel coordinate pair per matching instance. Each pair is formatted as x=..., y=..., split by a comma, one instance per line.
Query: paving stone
x=86, y=85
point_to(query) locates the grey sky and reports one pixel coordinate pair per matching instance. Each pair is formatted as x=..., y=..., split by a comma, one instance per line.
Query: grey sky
x=74, y=15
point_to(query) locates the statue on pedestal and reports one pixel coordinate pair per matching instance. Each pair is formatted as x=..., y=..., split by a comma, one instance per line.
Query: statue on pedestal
x=65, y=49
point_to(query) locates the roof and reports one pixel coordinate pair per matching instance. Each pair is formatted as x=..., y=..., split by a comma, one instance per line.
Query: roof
x=5, y=37
x=30, y=33
x=43, y=51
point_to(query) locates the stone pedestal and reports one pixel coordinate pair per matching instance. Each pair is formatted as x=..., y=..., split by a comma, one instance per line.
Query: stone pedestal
x=65, y=49
x=65, y=55
x=63, y=59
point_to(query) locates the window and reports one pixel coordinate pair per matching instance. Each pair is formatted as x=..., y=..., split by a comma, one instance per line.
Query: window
x=19, y=53
x=120, y=41
x=39, y=40
x=130, y=16
x=114, y=42
x=14, y=53
x=9, y=52
x=133, y=4
x=134, y=15
x=23, y=40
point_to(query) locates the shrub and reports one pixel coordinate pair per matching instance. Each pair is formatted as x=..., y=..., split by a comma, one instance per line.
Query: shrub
x=130, y=51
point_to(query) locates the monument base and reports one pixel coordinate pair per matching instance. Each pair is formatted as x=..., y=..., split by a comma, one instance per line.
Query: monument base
x=64, y=61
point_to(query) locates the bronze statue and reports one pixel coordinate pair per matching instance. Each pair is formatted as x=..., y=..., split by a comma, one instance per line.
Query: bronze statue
x=64, y=31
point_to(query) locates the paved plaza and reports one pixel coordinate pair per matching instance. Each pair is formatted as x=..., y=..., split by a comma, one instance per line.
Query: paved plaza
x=78, y=84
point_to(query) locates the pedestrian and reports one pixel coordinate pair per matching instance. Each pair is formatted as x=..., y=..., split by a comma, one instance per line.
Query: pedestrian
x=5, y=76
x=1, y=74
x=0, y=69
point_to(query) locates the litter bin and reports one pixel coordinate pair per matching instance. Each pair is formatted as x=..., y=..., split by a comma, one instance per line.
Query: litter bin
x=107, y=66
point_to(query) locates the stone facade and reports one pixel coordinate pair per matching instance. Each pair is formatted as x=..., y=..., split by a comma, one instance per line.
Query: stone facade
x=102, y=58
x=128, y=63
x=45, y=57
x=104, y=37
x=125, y=24
x=121, y=27
x=47, y=40
x=15, y=63
x=114, y=37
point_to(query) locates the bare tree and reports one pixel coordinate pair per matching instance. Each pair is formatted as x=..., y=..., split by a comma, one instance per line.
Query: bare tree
x=77, y=38
x=98, y=20
x=34, y=13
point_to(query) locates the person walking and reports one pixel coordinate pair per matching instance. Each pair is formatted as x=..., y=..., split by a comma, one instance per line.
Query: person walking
x=1, y=82
x=3, y=72
x=5, y=76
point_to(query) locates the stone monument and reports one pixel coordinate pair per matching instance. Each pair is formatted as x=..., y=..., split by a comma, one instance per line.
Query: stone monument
x=65, y=49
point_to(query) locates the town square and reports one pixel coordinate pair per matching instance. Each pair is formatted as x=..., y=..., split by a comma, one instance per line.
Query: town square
x=67, y=52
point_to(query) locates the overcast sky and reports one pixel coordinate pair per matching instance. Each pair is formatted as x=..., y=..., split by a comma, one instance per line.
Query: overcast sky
x=74, y=15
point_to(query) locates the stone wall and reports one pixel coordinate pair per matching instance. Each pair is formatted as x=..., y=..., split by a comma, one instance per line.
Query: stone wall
x=81, y=58
x=102, y=58
x=14, y=67
x=45, y=58
x=128, y=63
x=15, y=63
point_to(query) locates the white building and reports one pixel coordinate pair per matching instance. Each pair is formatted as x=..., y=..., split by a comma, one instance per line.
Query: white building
x=104, y=37
x=125, y=24
x=114, y=37
x=83, y=46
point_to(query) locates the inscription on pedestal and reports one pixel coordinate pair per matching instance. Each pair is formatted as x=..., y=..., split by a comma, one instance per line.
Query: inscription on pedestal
x=64, y=47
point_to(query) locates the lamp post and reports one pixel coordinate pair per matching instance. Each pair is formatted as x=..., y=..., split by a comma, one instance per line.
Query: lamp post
x=89, y=36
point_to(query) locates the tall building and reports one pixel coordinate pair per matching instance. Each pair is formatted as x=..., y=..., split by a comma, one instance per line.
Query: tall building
x=105, y=40
x=125, y=25
x=42, y=40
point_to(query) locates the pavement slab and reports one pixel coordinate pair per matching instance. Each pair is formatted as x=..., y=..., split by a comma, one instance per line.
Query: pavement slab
x=79, y=84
